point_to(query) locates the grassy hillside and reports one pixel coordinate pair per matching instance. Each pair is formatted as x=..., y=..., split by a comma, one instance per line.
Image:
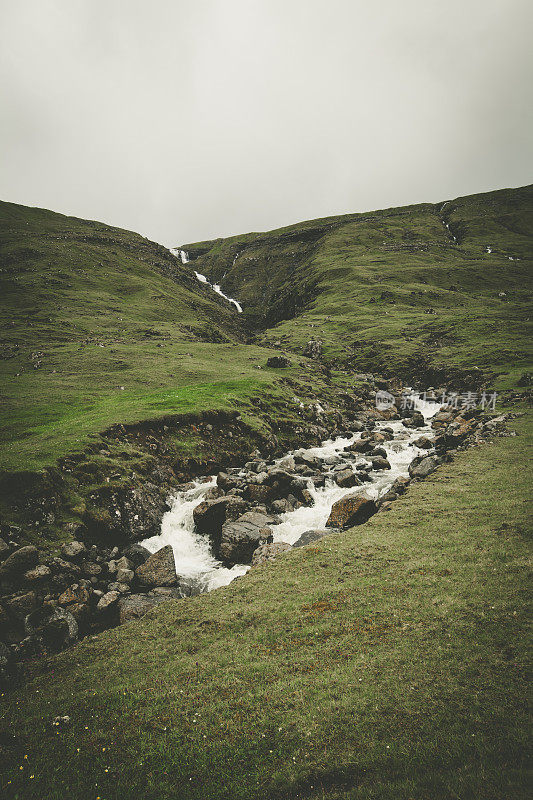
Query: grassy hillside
x=100, y=326
x=386, y=661
x=395, y=291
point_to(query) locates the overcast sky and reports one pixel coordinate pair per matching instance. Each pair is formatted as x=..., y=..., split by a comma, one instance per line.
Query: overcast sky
x=191, y=119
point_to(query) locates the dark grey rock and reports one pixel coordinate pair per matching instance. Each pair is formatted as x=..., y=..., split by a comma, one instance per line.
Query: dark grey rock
x=308, y=537
x=55, y=627
x=278, y=362
x=159, y=569
x=268, y=552
x=19, y=561
x=137, y=554
x=210, y=515
x=136, y=606
x=346, y=479
x=241, y=538
x=421, y=468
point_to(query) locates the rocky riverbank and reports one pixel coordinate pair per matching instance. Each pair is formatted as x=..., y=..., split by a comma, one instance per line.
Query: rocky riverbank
x=104, y=576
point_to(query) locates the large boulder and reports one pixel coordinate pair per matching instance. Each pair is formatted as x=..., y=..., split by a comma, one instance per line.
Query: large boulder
x=20, y=561
x=240, y=539
x=135, y=606
x=126, y=514
x=310, y=461
x=278, y=477
x=268, y=552
x=458, y=431
x=259, y=493
x=313, y=348
x=227, y=482
x=360, y=446
x=379, y=463
x=56, y=628
x=354, y=509
x=346, y=478
x=159, y=569
x=73, y=551
x=415, y=421
x=423, y=442
x=143, y=508
x=441, y=420
x=308, y=537
x=137, y=554
x=210, y=515
x=278, y=362
x=420, y=468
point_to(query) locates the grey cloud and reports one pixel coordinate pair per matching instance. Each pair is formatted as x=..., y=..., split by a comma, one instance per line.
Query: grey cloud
x=188, y=120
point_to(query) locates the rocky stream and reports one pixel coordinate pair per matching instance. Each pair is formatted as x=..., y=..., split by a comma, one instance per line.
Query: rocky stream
x=217, y=527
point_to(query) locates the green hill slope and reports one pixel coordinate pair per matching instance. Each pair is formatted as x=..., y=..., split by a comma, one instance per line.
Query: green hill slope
x=100, y=326
x=410, y=291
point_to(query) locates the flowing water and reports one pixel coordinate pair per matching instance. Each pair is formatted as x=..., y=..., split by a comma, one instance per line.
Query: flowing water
x=184, y=258
x=199, y=570
x=216, y=288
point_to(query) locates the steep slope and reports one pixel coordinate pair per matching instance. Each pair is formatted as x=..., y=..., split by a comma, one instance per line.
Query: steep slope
x=99, y=326
x=431, y=291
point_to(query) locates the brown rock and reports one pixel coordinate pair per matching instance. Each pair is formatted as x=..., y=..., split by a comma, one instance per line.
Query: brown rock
x=74, y=594
x=423, y=442
x=441, y=420
x=354, y=509
x=159, y=569
x=259, y=494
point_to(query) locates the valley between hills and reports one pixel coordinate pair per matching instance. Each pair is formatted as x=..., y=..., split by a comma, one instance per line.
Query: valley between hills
x=384, y=655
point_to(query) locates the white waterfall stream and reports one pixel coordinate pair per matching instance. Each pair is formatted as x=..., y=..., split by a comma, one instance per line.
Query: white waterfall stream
x=184, y=257
x=196, y=565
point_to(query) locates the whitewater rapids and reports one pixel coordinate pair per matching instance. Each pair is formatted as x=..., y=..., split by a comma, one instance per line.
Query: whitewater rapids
x=196, y=566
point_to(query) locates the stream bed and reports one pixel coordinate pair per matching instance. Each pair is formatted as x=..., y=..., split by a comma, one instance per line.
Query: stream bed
x=197, y=567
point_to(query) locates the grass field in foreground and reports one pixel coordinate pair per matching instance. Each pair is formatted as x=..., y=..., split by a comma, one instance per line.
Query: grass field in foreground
x=388, y=661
